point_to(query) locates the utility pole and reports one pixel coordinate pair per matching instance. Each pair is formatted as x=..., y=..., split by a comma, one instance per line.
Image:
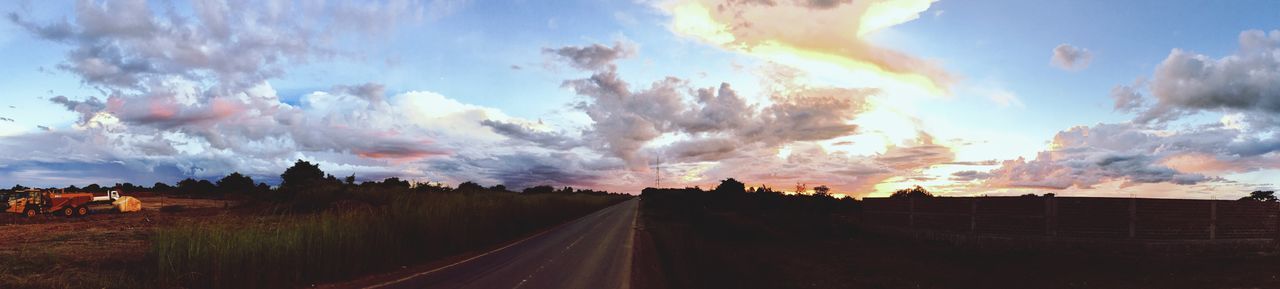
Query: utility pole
x=657, y=171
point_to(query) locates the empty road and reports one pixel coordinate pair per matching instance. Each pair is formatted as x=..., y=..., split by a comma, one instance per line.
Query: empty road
x=593, y=252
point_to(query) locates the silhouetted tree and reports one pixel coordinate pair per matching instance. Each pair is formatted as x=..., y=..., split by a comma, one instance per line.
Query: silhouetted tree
x=1261, y=196
x=821, y=191
x=351, y=180
x=469, y=187
x=161, y=188
x=731, y=186
x=500, y=188
x=236, y=183
x=912, y=192
x=19, y=188
x=127, y=187
x=543, y=189
x=93, y=188
x=300, y=176
x=194, y=187
x=395, y=184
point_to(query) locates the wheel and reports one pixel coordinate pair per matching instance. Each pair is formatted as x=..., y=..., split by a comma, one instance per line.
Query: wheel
x=68, y=212
x=82, y=211
x=30, y=213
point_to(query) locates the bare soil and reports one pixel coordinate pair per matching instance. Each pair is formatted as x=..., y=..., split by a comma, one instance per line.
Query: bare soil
x=103, y=250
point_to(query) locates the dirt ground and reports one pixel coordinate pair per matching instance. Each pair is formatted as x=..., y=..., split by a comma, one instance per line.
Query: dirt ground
x=102, y=250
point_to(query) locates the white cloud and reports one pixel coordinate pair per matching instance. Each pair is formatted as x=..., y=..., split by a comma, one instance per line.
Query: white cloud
x=1068, y=57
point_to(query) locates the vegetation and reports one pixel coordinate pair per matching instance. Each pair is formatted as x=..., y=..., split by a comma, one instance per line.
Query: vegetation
x=288, y=251
x=912, y=192
x=1261, y=196
x=333, y=230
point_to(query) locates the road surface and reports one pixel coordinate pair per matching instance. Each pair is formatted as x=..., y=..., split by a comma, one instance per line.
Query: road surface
x=593, y=252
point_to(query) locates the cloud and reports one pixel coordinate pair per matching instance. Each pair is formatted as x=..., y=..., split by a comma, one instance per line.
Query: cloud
x=5, y=119
x=624, y=120
x=969, y=175
x=1247, y=81
x=1068, y=57
x=86, y=108
x=189, y=89
x=832, y=32
x=525, y=133
x=1132, y=153
x=1127, y=98
x=594, y=57
x=524, y=169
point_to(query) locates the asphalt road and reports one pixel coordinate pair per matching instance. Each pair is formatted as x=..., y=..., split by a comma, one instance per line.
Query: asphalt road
x=593, y=252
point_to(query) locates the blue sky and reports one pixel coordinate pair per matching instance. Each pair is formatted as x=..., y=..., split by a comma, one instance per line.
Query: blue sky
x=486, y=91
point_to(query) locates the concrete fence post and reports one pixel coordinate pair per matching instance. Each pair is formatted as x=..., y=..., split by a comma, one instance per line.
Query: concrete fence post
x=973, y=216
x=1050, y=216
x=1133, y=217
x=911, y=212
x=1213, y=219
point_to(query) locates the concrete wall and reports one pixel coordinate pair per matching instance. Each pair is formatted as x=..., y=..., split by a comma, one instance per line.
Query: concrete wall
x=1130, y=219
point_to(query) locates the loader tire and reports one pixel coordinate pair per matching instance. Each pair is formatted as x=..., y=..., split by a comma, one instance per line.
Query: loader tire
x=82, y=211
x=68, y=212
x=30, y=213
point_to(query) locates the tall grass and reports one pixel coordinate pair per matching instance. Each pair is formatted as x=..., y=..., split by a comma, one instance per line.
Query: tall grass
x=296, y=250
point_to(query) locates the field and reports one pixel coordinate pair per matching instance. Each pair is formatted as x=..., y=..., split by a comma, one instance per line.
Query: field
x=723, y=241
x=103, y=250
x=214, y=244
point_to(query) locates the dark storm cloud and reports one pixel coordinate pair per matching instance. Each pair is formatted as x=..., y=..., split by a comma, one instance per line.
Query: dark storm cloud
x=542, y=138
x=524, y=169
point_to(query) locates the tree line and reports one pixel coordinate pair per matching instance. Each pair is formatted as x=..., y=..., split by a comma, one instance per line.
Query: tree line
x=305, y=182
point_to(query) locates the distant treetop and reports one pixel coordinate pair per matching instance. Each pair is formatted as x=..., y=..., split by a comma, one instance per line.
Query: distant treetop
x=912, y=192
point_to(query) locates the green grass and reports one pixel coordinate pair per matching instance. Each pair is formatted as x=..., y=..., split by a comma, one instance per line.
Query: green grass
x=297, y=250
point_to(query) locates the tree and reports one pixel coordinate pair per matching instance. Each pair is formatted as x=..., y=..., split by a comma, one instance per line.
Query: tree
x=301, y=175
x=731, y=186
x=912, y=192
x=192, y=186
x=500, y=188
x=236, y=183
x=395, y=183
x=470, y=187
x=161, y=188
x=351, y=180
x=543, y=189
x=1261, y=196
x=821, y=191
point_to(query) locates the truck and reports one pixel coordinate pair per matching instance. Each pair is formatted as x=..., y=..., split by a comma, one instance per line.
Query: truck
x=32, y=202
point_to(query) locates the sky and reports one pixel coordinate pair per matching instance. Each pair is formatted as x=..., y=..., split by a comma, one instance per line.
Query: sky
x=1170, y=99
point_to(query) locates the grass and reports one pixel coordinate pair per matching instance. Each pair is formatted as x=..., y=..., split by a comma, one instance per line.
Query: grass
x=297, y=250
